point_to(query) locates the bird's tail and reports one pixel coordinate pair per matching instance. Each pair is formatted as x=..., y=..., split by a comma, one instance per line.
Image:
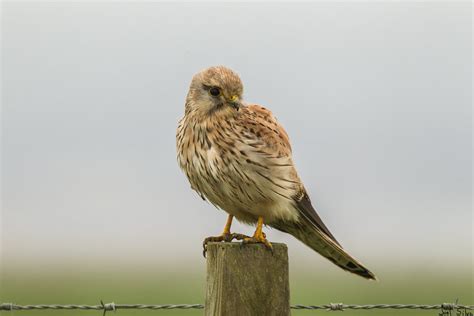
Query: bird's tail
x=329, y=248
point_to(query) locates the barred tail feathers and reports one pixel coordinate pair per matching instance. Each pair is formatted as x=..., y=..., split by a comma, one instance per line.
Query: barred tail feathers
x=311, y=236
x=311, y=230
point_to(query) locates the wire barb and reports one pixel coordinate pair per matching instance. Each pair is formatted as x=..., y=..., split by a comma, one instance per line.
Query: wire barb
x=6, y=306
x=448, y=306
x=107, y=307
x=336, y=307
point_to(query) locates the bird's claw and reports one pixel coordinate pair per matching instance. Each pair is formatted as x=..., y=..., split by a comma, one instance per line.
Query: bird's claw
x=258, y=239
x=226, y=237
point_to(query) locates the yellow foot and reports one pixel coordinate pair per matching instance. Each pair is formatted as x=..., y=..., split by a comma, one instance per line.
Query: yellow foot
x=225, y=237
x=258, y=238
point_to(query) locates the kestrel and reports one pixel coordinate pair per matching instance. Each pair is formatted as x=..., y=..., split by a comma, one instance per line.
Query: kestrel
x=238, y=157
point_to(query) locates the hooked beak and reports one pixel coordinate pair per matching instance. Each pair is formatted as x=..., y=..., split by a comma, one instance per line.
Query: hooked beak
x=235, y=102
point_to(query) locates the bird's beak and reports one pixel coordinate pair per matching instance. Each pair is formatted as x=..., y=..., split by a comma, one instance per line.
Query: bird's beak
x=235, y=102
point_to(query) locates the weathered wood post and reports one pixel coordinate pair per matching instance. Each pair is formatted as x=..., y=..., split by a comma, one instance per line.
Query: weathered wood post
x=247, y=280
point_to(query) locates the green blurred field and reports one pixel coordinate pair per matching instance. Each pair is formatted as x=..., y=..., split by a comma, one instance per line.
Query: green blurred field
x=56, y=283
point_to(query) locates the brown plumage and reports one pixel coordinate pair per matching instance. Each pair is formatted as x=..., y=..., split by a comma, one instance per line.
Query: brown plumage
x=238, y=157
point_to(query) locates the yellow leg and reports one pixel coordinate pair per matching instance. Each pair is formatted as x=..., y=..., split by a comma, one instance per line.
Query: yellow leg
x=226, y=235
x=258, y=231
x=259, y=236
x=228, y=224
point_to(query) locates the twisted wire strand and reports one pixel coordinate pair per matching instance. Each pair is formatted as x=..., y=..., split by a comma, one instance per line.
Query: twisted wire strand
x=340, y=306
x=329, y=307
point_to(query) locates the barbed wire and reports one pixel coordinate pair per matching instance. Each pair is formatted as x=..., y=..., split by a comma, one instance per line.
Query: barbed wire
x=330, y=307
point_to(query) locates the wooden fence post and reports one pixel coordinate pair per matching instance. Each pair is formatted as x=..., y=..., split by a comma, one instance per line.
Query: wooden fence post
x=247, y=280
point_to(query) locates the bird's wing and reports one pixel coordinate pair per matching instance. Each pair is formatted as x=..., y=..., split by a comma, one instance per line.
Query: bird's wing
x=307, y=210
x=263, y=128
x=273, y=144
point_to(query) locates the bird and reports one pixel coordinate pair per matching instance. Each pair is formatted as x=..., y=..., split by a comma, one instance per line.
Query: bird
x=238, y=157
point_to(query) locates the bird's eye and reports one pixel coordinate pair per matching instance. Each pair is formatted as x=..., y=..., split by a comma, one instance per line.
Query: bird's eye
x=214, y=91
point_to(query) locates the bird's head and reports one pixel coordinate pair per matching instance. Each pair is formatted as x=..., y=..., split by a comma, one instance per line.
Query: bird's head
x=215, y=90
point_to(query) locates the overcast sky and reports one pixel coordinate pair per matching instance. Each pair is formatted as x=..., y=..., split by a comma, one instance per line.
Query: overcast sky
x=376, y=98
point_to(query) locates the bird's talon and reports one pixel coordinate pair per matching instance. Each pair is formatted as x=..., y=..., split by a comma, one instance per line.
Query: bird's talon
x=225, y=237
x=258, y=240
x=236, y=236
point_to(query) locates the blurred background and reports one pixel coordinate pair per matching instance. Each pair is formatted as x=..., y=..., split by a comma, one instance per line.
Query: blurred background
x=376, y=98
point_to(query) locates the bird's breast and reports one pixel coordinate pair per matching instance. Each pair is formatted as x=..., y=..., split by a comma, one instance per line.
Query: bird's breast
x=231, y=172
